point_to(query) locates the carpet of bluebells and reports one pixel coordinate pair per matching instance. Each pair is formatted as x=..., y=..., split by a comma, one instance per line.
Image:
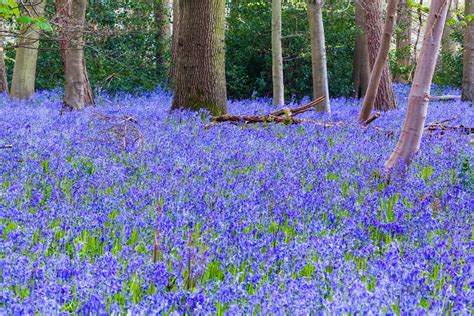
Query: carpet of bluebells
x=231, y=219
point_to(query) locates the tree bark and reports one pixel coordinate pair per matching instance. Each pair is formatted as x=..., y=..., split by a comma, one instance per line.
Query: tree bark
x=361, y=67
x=277, y=55
x=200, y=56
x=385, y=99
x=412, y=131
x=24, y=71
x=380, y=62
x=160, y=13
x=468, y=72
x=403, y=42
x=318, y=55
x=77, y=91
x=3, y=71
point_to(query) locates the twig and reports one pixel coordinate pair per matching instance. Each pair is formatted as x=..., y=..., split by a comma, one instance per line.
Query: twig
x=6, y=146
x=372, y=118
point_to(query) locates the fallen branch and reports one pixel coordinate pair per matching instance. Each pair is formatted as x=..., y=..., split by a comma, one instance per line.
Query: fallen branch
x=298, y=110
x=445, y=97
x=442, y=127
x=6, y=146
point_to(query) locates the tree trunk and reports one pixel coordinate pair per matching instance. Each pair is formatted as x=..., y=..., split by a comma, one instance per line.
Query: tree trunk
x=174, y=42
x=418, y=33
x=200, y=57
x=380, y=62
x=3, y=71
x=403, y=42
x=277, y=55
x=77, y=91
x=24, y=71
x=448, y=45
x=361, y=67
x=318, y=55
x=468, y=73
x=160, y=12
x=385, y=99
x=412, y=131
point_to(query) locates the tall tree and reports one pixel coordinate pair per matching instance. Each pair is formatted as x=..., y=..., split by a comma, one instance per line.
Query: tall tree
x=361, y=67
x=448, y=44
x=3, y=71
x=318, y=55
x=24, y=71
x=161, y=19
x=200, y=56
x=468, y=72
x=174, y=41
x=412, y=131
x=277, y=55
x=380, y=62
x=385, y=99
x=403, y=34
x=77, y=91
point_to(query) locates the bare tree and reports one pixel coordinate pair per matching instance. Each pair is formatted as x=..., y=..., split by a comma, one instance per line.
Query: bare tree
x=318, y=55
x=380, y=62
x=24, y=71
x=277, y=55
x=361, y=66
x=71, y=17
x=412, y=130
x=385, y=99
x=200, y=57
x=468, y=73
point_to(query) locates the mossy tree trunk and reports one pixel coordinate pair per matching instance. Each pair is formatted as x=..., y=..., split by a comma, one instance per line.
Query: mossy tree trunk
x=77, y=91
x=200, y=57
x=24, y=71
x=468, y=72
x=3, y=70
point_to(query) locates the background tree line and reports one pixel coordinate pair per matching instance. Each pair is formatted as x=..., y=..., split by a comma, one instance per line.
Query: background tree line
x=125, y=50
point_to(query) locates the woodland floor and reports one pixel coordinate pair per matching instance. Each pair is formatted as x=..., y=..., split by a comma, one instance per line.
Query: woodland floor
x=258, y=219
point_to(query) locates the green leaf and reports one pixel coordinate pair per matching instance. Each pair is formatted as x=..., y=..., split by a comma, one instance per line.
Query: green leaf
x=24, y=19
x=42, y=24
x=469, y=18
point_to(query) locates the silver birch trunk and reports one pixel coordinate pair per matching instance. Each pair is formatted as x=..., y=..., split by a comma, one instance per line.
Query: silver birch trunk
x=277, y=55
x=380, y=62
x=24, y=71
x=412, y=131
x=318, y=55
x=468, y=72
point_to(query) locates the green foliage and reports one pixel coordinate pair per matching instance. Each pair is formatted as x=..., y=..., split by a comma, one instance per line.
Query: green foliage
x=248, y=48
x=120, y=48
